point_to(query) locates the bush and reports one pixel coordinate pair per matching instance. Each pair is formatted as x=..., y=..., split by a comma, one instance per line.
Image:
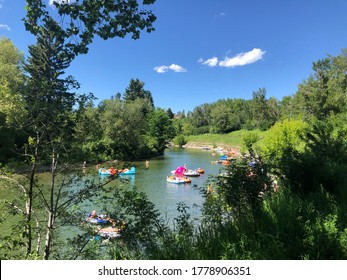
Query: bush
x=180, y=140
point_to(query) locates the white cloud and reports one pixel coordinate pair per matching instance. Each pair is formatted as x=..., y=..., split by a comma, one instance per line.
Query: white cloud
x=5, y=26
x=164, y=68
x=242, y=59
x=177, y=68
x=222, y=14
x=161, y=69
x=212, y=62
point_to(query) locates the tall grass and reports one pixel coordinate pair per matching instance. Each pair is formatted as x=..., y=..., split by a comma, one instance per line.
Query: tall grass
x=289, y=227
x=232, y=139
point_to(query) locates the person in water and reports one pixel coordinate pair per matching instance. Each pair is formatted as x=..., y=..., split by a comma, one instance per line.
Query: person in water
x=94, y=215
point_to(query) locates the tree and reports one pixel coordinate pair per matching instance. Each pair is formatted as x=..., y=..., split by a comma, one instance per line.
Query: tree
x=58, y=43
x=12, y=111
x=88, y=135
x=81, y=20
x=160, y=130
x=124, y=126
x=261, y=110
x=221, y=119
x=136, y=90
x=325, y=91
x=325, y=155
x=170, y=113
x=282, y=146
x=11, y=64
x=200, y=118
x=49, y=105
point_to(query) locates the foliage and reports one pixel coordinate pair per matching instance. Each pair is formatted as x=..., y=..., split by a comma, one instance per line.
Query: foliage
x=262, y=114
x=249, y=140
x=160, y=131
x=326, y=154
x=123, y=126
x=12, y=111
x=180, y=140
x=124, y=129
x=142, y=233
x=47, y=97
x=281, y=146
x=244, y=216
x=244, y=186
x=324, y=92
x=82, y=20
x=221, y=119
x=136, y=90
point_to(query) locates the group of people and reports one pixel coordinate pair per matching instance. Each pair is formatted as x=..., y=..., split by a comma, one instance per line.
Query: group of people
x=98, y=165
x=112, y=228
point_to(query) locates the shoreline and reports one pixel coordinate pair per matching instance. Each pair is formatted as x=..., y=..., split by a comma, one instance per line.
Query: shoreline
x=212, y=147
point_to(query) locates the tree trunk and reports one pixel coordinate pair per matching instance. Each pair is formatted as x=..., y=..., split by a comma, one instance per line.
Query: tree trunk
x=48, y=236
x=29, y=202
x=51, y=212
x=28, y=209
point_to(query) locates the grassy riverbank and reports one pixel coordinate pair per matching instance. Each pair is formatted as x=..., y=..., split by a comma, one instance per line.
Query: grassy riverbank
x=233, y=139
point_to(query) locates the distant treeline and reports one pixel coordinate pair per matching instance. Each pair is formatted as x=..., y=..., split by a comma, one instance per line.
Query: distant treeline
x=129, y=126
x=322, y=94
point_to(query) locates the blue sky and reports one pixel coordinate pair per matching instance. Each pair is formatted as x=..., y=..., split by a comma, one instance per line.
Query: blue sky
x=203, y=50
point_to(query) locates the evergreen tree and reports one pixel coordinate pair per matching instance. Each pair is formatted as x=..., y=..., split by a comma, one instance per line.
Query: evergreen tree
x=136, y=90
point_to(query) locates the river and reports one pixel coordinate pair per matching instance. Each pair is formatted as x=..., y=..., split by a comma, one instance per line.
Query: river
x=164, y=195
x=152, y=181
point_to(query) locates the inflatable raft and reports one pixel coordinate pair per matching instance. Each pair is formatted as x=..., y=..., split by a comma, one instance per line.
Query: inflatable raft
x=191, y=173
x=177, y=180
x=127, y=171
x=107, y=172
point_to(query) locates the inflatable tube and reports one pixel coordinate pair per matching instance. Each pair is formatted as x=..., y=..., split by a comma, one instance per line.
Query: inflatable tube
x=130, y=171
x=98, y=221
x=104, y=172
x=191, y=173
x=110, y=235
x=107, y=172
x=200, y=170
x=176, y=180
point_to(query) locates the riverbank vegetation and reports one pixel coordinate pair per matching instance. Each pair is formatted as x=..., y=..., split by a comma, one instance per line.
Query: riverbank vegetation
x=285, y=199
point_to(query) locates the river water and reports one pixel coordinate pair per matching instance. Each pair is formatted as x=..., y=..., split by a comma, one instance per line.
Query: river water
x=165, y=196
